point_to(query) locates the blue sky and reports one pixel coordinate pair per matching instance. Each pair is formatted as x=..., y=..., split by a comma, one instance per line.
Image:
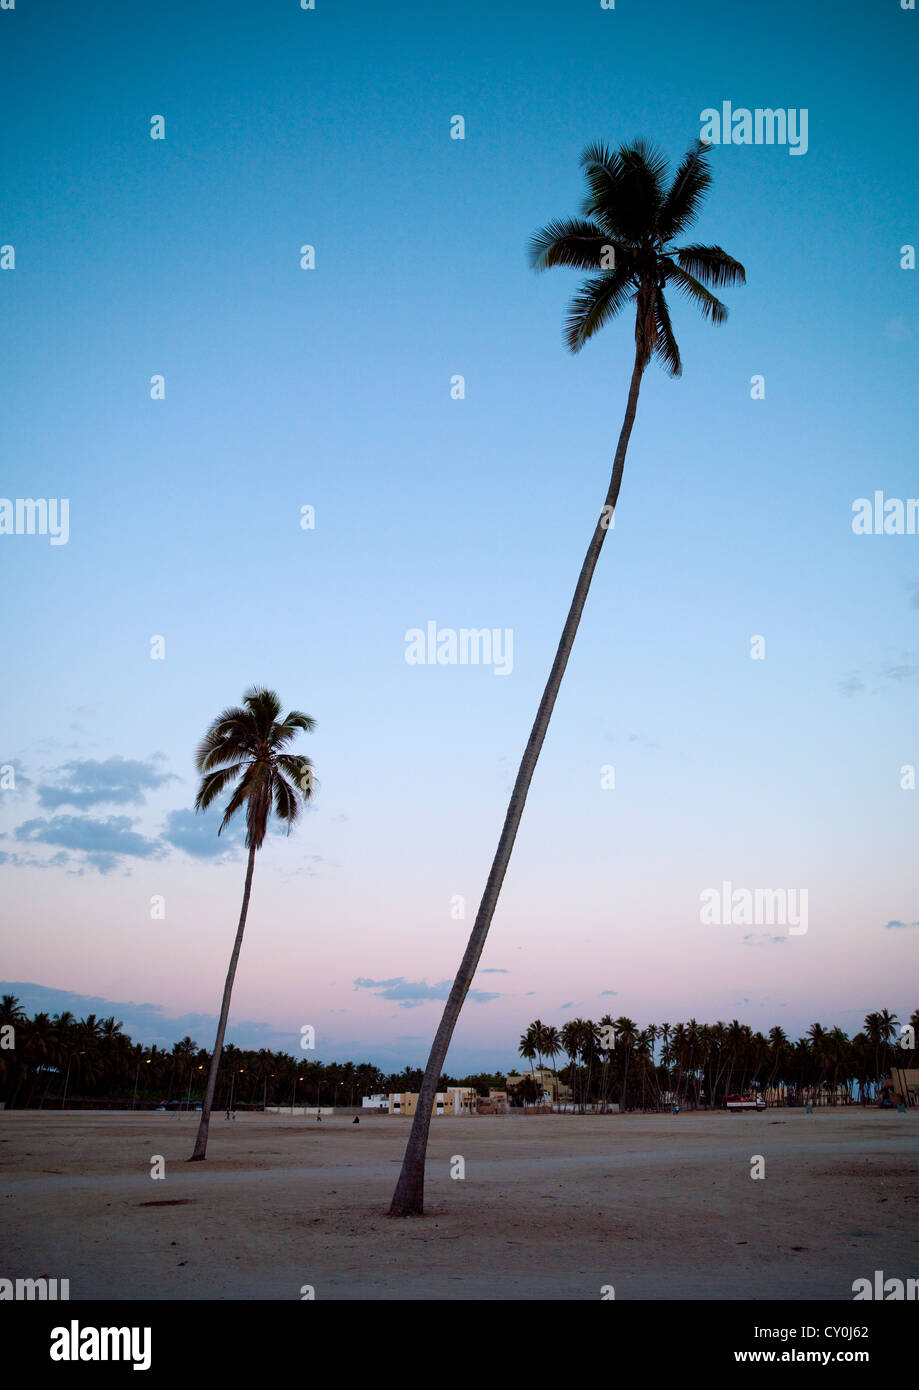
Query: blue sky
x=331, y=388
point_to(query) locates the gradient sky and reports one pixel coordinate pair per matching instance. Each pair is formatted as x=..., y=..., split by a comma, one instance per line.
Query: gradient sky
x=331, y=388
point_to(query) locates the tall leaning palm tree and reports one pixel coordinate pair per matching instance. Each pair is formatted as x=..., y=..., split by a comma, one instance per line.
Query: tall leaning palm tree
x=246, y=748
x=625, y=239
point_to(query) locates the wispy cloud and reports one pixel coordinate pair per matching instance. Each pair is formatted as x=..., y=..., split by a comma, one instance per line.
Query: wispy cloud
x=105, y=843
x=410, y=994
x=114, y=781
x=904, y=668
x=900, y=671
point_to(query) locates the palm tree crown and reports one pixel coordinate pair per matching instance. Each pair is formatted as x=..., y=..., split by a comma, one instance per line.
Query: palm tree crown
x=626, y=231
x=246, y=745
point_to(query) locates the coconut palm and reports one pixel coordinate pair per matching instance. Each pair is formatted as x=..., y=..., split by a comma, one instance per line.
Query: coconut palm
x=837, y=1051
x=880, y=1027
x=246, y=748
x=817, y=1036
x=889, y=1025
x=571, y=1036
x=11, y=1011
x=606, y=1039
x=539, y=1032
x=551, y=1044
x=626, y=233
x=778, y=1045
x=626, y=1038
x=527, y=1046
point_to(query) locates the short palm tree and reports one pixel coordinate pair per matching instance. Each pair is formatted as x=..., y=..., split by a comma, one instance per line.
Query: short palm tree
x=527, y=1046
x=625, y=238
x=552, y=1046
x=246, y=748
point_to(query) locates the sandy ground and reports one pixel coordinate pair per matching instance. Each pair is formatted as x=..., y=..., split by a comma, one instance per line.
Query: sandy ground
x=552, y=1206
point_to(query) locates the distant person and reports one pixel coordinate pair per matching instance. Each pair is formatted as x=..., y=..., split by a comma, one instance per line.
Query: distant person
x=319, y=1117
x=356, y=1120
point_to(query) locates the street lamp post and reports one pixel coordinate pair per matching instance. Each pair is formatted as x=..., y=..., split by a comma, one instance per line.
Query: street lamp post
x=67, y=1077
x=136, y=1074
x=232, y=1084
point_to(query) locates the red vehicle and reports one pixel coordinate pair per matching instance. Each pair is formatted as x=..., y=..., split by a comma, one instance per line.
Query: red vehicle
x=744, y=1103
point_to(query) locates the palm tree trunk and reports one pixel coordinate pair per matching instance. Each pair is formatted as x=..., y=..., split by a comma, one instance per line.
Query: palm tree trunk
x=408, y=1199
x=201, y=1141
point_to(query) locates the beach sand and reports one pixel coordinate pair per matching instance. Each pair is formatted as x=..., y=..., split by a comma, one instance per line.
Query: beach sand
x=552, y=1206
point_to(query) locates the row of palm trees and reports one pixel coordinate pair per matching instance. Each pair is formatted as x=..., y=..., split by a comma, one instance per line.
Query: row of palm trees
x=698, y=1064
x=59, y=1061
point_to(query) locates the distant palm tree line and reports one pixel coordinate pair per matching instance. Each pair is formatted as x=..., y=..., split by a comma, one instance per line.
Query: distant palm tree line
x=62, y=1060
x=696, y=1065
x=65, y=1060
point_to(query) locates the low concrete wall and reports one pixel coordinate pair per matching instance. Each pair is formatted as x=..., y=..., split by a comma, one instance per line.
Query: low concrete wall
x=299, y=1110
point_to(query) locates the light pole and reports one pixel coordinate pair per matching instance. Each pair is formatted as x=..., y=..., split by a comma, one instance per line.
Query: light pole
x=136, y=1073
x=67, y=1077
x=232, y=1084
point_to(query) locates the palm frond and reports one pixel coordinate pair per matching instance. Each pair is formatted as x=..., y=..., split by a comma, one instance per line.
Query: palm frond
x=687, y=192
x=241, y=796
x=300, y=769
x=711, y=265
x=572, y=241
x=603, y=172
x=597, y=301
x=232, y=725
x=711, y=307
x=295, y=722
x=214, y=783
x=286, y=801
x=296, y=719
x=666, y=345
